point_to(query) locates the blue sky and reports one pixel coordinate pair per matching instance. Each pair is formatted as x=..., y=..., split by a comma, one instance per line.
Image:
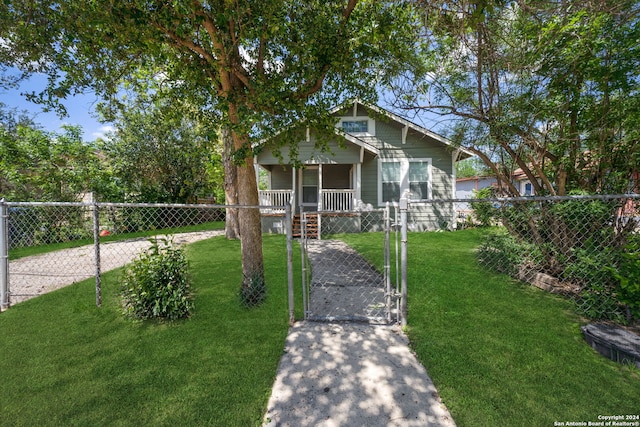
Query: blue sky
x=80, y=109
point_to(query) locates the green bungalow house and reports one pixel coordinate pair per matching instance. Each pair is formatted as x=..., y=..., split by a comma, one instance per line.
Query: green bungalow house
x=374, y=158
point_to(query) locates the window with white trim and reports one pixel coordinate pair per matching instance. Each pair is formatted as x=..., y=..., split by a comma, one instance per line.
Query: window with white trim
x=355, y=126
x=419, y=179
x=391, y=181
x=358, y=126
x=399, y=176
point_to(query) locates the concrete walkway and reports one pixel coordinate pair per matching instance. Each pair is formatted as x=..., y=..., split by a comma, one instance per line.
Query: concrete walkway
x=351, y=374
x=35, y=275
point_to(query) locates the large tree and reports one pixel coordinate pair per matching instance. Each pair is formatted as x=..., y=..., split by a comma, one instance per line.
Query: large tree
x=551, y=88
x=262, y=63
x=162, y=149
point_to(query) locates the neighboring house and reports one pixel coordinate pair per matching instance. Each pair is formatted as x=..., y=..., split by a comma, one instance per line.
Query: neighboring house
x=374, y=157
x=466, y=188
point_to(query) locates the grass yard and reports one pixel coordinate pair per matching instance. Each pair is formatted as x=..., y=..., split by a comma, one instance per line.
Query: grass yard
x=66, y=362
x=501, y=352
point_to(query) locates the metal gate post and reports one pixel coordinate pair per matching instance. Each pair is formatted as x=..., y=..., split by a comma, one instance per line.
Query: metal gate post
x=404, y=206
x=303, y=256
x=387, y=260
x=96, y=245
x=4, y=256
x=288, y=220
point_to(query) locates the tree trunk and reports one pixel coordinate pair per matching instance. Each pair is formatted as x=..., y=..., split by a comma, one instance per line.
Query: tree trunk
x=232, y=226
x=253, y=290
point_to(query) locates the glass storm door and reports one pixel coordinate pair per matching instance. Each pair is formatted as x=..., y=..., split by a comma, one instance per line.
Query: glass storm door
x=310, y=188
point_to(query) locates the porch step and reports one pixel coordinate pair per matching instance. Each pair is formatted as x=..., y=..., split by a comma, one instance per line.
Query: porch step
x=311, y=229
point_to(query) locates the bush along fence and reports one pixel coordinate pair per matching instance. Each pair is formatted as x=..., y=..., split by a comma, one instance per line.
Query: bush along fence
x=586, y=248
x=52, y=245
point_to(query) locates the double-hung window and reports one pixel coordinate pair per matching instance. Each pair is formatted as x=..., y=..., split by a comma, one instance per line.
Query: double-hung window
x=398, y=177
x=391, y=181
x=419, y=171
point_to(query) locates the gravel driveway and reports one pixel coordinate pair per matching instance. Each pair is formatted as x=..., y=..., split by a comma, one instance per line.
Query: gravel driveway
x=39, y=274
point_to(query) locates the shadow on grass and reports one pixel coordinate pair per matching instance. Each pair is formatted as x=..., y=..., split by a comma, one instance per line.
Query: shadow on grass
x=67, y=362
x=501, y=352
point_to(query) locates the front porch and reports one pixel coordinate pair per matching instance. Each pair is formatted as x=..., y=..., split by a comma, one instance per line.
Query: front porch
x=330, y=200
x=321, y=187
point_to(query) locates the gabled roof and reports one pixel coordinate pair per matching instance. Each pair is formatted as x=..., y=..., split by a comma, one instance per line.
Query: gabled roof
x=359, y=142
x=404, y=122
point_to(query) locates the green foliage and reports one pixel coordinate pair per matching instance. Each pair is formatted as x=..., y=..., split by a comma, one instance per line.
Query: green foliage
x=575, y=241
x=541, y=87
x=47, y=166
x=501, y=252
x=499, y=353
x=598, y=303
x=157, y=284
x=484, y=212
x=88, y=366
x=262, y=65
x=470, y=168
x=163, y=149
x=628, y=276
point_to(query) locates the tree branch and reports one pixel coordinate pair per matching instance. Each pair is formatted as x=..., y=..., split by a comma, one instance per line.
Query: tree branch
x=314, y=86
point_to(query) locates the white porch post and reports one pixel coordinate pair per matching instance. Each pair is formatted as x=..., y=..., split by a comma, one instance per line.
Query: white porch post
x=358, y=184
x=320, y=193
x=294, y=183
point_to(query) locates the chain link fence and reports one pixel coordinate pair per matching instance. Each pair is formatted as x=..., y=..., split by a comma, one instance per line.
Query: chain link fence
x=339, y=283
x=586, y=248
x=47, y=246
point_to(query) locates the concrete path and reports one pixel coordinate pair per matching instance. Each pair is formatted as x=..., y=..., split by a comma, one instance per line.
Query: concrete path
x=350, y=374
x=344, y=285
x=39, y=274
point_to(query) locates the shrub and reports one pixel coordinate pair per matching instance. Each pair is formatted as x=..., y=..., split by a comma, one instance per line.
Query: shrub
x=157, y=284
x=628, y=276
x=501, y=252
x=484, y=211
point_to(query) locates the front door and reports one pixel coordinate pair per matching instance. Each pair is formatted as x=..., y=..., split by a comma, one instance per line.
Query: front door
x=310, y=188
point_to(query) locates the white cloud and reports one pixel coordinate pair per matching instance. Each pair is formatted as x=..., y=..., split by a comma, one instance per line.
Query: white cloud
x=102, y=131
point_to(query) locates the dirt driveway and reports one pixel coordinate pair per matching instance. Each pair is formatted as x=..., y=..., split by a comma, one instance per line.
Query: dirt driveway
x=39, y=274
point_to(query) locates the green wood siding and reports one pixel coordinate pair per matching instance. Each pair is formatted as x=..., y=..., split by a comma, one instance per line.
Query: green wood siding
x=308, y=153
x=388, y=140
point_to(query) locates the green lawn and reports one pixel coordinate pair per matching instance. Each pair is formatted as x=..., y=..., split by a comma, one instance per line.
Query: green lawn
x=66, y=362
x=501, y=352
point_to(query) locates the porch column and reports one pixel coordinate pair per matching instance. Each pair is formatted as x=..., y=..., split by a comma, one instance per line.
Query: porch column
x=357, y=185
x=320, y=195
x=294, y=186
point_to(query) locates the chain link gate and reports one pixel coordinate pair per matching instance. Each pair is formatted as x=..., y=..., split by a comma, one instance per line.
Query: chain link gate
x=338, y=283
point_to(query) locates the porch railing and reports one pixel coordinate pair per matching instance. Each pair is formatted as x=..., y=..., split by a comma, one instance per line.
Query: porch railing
x=275, y=198
x=337, y=200
x=332, y=200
